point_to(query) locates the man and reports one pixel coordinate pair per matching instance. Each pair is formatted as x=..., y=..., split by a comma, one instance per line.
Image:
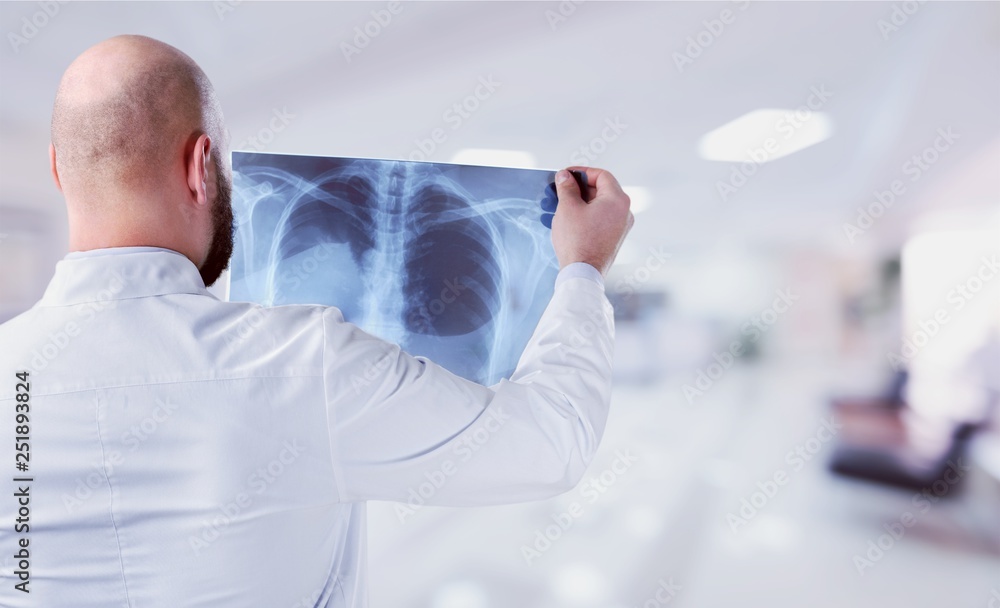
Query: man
x=166, y=467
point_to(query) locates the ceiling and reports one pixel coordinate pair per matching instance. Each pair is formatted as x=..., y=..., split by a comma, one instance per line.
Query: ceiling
x=560, y=81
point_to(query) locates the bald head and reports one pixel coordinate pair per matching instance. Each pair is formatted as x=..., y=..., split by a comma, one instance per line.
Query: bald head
x=138, y=152
x=123, y=108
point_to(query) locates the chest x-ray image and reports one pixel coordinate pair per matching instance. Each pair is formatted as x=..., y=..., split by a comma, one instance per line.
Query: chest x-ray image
x=451, y=262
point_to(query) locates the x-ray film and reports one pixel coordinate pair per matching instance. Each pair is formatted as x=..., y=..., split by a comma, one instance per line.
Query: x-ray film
x=451, y=262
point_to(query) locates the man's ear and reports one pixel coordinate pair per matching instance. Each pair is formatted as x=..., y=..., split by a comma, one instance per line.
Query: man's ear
x=197, y=169
x=52, y=167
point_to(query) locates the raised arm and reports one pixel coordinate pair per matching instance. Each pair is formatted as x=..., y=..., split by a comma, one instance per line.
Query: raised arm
x=403, y=428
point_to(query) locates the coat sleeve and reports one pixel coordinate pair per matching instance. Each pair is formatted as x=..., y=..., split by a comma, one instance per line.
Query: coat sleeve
x=403, y=428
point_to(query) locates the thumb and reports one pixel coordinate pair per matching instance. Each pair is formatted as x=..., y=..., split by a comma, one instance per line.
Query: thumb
x=567, y=188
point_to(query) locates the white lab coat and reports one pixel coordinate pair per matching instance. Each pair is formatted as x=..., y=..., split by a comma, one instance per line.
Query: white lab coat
x=191, y=452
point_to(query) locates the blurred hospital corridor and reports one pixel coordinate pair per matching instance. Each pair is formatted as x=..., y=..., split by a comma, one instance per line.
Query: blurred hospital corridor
x=806, y=399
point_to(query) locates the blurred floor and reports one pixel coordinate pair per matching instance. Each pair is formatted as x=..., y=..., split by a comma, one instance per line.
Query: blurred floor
x=663, y=522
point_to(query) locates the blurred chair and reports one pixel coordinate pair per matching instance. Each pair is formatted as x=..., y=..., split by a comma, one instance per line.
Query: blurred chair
x=883, y=440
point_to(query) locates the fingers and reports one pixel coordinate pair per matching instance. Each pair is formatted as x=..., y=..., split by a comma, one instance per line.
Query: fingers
x=600, y=179
x=607, y=189
x=567, y=188
x=591, y=231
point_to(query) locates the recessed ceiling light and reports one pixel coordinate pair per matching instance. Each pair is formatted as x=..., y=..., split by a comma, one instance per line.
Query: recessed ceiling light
x=765, y=135
x=494, y=158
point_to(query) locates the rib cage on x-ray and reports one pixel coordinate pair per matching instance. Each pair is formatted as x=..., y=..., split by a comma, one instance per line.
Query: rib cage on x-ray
x=450, y=262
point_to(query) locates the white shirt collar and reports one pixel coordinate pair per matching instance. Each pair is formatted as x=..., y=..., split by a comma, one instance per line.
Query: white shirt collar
x=120, y=273
x=114, y=251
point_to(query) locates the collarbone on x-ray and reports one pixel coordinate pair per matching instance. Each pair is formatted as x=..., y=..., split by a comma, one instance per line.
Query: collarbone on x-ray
x=451, y=262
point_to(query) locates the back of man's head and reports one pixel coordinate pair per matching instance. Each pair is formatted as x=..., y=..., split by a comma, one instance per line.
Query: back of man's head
x=122, y=109
x=138, y=151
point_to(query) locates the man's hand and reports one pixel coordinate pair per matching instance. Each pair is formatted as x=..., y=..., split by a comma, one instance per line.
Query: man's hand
x=590, y=231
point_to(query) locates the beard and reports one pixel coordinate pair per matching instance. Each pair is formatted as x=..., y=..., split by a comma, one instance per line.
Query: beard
x=223, y=228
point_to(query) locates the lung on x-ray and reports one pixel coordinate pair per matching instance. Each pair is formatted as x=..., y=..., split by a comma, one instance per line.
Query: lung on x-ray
x=451, y=262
